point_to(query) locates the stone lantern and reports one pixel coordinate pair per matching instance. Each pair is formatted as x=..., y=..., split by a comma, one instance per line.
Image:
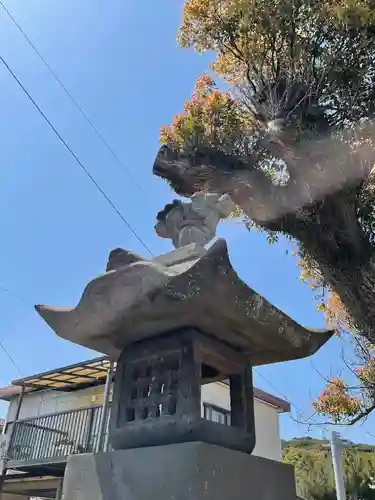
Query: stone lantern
x=175, y=322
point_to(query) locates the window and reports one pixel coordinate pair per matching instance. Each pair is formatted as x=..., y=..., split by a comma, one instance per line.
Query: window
x=216, y=414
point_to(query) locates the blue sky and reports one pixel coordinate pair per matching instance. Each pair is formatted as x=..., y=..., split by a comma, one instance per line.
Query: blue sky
x=121, y=62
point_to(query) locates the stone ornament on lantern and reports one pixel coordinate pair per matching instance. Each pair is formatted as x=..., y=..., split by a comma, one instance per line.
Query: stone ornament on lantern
x=195, y=221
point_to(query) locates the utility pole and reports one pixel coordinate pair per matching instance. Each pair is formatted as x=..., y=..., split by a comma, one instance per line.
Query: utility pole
x=336, y=447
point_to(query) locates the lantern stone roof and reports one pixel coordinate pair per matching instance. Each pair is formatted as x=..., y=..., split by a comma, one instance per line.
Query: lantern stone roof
x=192, y=286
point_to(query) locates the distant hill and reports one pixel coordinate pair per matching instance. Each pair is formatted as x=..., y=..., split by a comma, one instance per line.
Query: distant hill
x=312, y=461
x=308, y=443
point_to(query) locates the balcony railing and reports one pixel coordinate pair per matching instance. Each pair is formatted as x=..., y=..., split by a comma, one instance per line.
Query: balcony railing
x=53, y=437
x=56, y=436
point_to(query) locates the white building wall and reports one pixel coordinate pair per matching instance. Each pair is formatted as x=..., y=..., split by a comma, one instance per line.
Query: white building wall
x=268, y=442
x=43, y=403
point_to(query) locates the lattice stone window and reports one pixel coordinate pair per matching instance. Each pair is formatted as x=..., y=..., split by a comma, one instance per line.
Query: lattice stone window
x=152, y=389
x=157, y=397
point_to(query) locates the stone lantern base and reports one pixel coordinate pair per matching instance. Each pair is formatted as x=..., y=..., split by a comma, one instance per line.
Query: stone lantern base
x=186, y=471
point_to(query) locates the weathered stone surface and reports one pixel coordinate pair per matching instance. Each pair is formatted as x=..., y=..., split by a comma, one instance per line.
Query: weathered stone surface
x=190, y=471
x=195, y=221
x=119, y=257
x=144, y=299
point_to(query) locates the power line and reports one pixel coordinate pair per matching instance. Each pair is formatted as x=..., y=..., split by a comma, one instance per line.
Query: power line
x=7, y=353
x=7, y=290
x=74, y=101
x=66, y=145
x=283, y=396
x=2, y=346
x=14, y=294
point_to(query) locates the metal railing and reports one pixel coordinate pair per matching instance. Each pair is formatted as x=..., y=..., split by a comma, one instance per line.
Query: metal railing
x=56, y=435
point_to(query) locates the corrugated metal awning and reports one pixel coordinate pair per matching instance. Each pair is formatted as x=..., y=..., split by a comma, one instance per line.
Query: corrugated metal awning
x=69, y=377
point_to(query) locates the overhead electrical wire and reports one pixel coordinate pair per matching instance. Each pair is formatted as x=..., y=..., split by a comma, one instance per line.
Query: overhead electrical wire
x=66, y=145
x=78, y=161
x=286, y=398
x=74, y=101
x=16, y=295
x=2, y=346
x=10, y=357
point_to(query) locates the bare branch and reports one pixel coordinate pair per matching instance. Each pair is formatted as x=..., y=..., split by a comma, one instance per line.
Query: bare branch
x=365, y=413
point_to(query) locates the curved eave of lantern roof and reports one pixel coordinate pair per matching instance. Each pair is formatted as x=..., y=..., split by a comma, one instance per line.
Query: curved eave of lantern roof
x=139, y=299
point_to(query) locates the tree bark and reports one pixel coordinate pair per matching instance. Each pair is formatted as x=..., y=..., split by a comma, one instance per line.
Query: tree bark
x=331, y=234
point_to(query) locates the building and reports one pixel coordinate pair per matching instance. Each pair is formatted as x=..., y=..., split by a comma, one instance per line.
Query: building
x=66, y=411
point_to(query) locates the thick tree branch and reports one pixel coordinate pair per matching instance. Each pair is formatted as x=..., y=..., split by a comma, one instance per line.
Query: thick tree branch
x=317, y=206
x=248, y=186
x=318, y=169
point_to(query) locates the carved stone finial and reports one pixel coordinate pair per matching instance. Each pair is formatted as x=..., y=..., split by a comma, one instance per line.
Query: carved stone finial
x=194, y=221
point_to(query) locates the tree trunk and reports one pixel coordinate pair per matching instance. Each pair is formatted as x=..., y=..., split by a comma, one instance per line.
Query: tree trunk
x=331, y=235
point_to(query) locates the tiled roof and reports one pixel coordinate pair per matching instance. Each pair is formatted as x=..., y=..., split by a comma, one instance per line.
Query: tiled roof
x=266, y=397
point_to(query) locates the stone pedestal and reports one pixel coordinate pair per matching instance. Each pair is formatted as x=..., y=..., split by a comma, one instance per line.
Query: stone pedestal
x=188, y=471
